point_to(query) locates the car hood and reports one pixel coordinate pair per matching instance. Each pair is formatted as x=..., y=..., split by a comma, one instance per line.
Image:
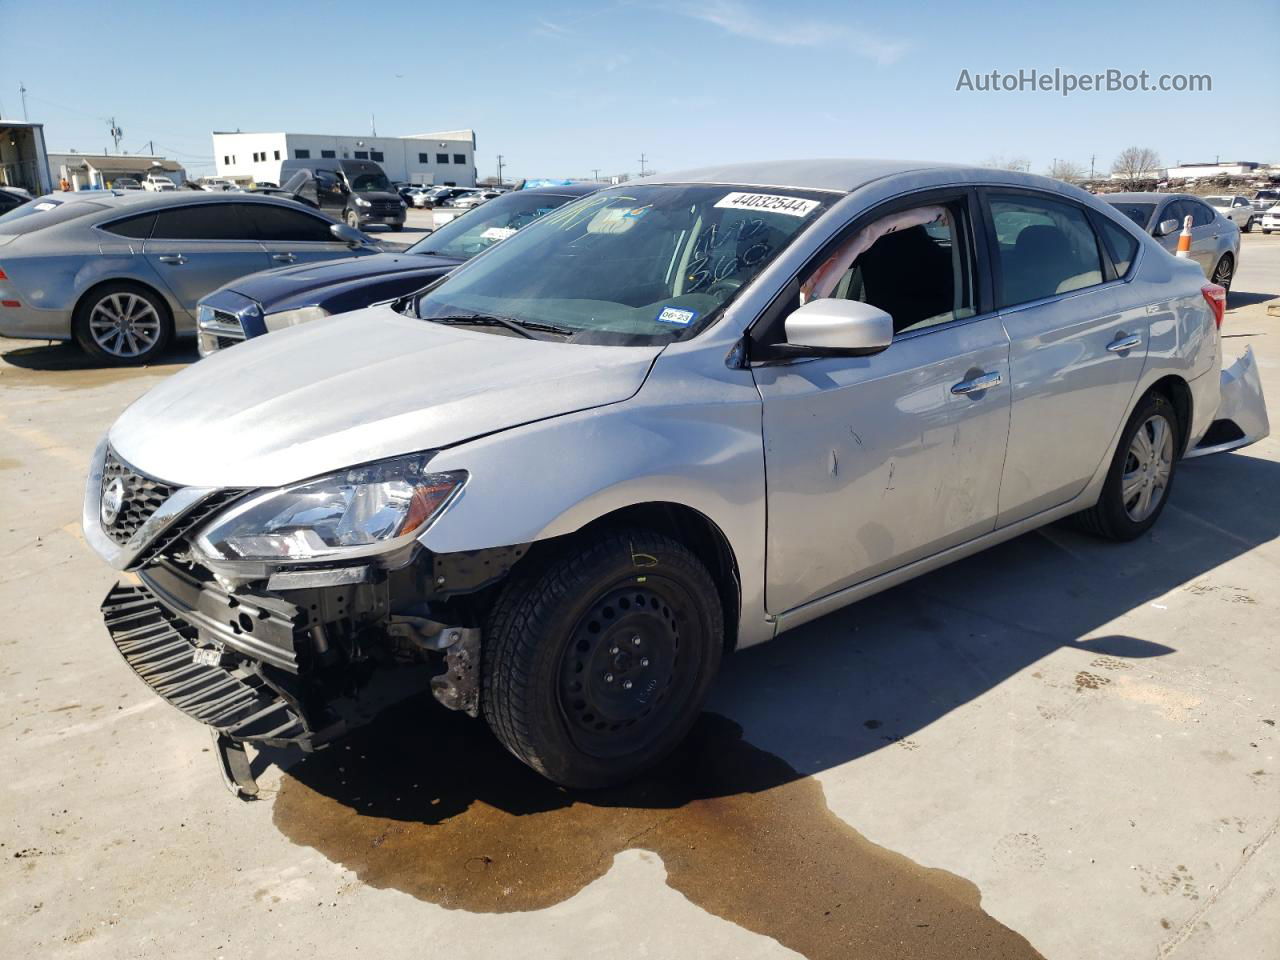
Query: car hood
x=292, y=282
x=358, y=387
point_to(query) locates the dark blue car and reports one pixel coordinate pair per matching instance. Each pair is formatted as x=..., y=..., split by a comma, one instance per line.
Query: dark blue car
x=261, y=302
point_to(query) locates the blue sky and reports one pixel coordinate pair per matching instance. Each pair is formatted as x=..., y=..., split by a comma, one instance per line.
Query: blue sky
x=564, y=89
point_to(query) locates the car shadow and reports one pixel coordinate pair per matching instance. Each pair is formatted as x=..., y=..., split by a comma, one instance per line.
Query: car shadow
x=1242, y=298
x=426, y=801
x=64, y=356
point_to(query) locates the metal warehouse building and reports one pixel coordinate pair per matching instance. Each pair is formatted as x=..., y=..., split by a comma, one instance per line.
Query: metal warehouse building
x=448, y=157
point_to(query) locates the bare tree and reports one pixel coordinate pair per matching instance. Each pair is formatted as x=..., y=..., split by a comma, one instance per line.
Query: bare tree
x=1068, y=171
x=1136, y=164
x=1015, y=162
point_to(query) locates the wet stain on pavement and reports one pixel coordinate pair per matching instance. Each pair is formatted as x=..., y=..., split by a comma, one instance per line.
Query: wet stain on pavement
x=426, y=802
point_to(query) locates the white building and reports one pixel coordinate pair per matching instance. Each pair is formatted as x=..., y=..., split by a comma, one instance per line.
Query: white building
x=448, y=157
x=1197, y=171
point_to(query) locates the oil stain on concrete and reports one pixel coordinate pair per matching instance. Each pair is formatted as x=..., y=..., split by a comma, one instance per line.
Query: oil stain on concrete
x=427, y=802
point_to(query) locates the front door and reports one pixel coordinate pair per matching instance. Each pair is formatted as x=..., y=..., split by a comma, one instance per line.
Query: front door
x=295, y=236
x=1078, y=346
x=197, y=248
x=874, y=462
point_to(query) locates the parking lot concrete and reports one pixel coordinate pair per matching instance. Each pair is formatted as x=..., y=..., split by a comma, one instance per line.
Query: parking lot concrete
x=1060, y=747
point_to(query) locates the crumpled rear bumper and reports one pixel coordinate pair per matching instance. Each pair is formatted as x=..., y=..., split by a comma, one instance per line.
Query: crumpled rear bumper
x=1242, y=410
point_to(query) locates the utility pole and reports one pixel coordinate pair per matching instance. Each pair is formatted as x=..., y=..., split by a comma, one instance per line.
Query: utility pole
x=373, y=125
x=642, y=158
x=1092, y=157
x=595, y=174
x=151, y=147
x=23, y=90
x=500, y=166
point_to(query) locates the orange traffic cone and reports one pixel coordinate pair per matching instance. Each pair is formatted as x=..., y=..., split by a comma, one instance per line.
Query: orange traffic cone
x=1184, y=239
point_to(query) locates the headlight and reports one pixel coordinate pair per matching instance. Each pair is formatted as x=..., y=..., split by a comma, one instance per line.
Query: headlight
x=362, y=511
x=291, y=318
x=362, y=202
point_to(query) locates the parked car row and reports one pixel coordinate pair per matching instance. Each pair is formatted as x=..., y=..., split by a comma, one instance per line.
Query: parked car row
x=1215, y=239
x=662, y=421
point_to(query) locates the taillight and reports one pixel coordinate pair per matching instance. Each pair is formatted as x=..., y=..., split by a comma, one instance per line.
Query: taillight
x=3, y=275
x=1216, y=297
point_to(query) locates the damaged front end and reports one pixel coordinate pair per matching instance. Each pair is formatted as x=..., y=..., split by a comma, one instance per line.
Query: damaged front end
x=1242, y=410
x=274, y=651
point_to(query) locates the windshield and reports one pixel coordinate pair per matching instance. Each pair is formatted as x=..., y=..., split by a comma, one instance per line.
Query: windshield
x=1218, y=201
x=465, y=236
x=366, y=182
x=1139, y=213
x=638, y=265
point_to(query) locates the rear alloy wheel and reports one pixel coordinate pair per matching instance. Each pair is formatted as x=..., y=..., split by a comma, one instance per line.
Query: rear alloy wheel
x=1222, y=272
x=1141, y=474
x=596, y=665
x=123, y=324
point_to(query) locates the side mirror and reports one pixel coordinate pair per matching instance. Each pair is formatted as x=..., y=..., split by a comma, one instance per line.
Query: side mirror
x=834, y=327
x=1166, y=227
x=349, y=235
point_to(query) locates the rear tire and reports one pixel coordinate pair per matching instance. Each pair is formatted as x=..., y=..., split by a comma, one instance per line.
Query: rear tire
x=1141, y=474
x=596, y=665
x=1223, y=272
x=123, y=324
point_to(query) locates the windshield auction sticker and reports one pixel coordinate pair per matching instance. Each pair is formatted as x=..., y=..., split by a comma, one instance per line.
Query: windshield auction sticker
x=768, y=203
x=681, y=318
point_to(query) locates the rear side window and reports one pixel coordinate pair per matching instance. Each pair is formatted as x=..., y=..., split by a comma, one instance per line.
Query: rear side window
x=282, y=225
x=30, y=217
x=215, y=221
x=1201, y=215
x=1045, y=247
x=1121, y=246
x=136, y=228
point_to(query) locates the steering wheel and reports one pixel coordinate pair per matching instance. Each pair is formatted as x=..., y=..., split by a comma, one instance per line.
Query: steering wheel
x=724, y=288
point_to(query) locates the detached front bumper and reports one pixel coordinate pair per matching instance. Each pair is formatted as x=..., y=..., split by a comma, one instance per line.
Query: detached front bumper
x=1242, y=410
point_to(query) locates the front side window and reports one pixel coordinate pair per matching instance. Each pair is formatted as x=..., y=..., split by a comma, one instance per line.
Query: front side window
x=1121, y=246
x=215, y=221
x=915, y=264
x=1044, y=247
x=640, y=265
x=464, y=237
x=285, y=225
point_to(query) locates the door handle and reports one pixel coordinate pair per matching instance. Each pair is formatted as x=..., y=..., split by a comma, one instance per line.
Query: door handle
x=174, y=258
x=284, y=257
x=978, y=384
x=1124, y=344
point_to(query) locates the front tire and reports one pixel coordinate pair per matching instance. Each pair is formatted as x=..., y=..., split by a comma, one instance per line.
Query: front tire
x=397, y=227
x=1141, y=474
x=353, y=220
x=596, y=666
x=122, y=324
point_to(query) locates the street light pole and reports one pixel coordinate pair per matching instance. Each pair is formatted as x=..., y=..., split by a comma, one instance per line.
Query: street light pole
x=500, y=165
x=642, y=164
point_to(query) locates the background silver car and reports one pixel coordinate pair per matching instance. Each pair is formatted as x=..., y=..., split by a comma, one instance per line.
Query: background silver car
x=1215, y=240
x=121, y=273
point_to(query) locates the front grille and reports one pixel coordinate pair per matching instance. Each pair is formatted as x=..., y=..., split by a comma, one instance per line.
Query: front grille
x=159, y=647
x=384, y=208
x=186, y=525
x=142, y=497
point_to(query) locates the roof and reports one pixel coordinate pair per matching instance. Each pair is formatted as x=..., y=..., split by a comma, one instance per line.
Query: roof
x=121, y=163
x=843, y=176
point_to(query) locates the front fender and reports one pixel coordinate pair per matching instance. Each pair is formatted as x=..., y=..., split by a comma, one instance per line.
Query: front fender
x=553, y=477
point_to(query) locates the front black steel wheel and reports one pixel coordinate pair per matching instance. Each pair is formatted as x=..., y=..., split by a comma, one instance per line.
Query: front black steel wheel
x=595, y=667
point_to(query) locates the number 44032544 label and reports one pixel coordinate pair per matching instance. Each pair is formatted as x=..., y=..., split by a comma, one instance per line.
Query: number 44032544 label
x=768, y=203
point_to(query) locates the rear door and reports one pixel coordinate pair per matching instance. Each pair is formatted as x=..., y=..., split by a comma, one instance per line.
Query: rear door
x=196, y=248
x=292, y=235
x=1078, y=343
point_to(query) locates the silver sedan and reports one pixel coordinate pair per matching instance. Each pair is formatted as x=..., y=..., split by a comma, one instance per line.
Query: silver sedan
x=121, y=273
x=1215, y=239
x=671, y=419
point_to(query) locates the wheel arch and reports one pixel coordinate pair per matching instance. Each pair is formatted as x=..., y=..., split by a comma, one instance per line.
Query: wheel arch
x=83, y=299
x=1178, y=392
